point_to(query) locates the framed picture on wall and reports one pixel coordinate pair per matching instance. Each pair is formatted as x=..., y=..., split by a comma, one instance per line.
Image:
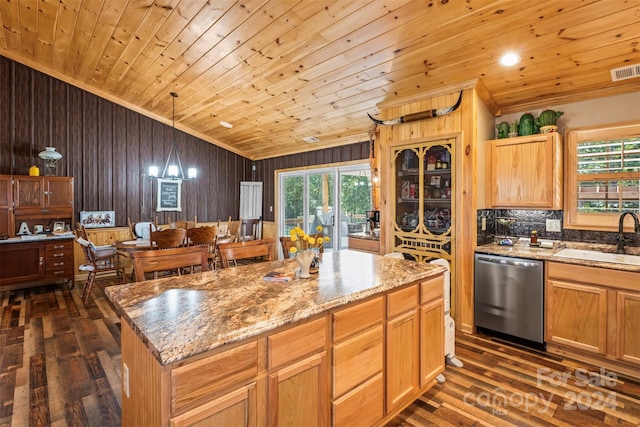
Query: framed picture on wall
x=96, y=219
x=169, y=195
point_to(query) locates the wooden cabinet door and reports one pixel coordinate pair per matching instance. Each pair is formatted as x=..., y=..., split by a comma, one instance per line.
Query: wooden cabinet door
x=6, y=205
x=298, y=394
x=431, y=340
x=21, y=262
x=524, y=173
x=627, y=322
x=576, y=316
x=59, y=193
x=236, y=408
x=28, y=193
x=402, y=358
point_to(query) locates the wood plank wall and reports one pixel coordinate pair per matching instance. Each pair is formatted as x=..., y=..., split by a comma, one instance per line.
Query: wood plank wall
x=106, y=148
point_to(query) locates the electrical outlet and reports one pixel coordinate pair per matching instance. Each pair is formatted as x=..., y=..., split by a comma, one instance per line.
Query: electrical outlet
x=484, y=224
x=553, y=225
x=125, y=379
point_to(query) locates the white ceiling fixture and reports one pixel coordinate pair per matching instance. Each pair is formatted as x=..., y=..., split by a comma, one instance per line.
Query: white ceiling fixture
x=310, y=139
x=509, y=59
x=226, y=124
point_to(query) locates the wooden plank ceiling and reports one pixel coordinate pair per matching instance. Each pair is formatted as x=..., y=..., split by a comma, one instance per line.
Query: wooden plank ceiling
x=282, y=70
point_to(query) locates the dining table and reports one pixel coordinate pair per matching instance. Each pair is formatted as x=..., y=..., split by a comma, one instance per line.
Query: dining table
x=133, y=245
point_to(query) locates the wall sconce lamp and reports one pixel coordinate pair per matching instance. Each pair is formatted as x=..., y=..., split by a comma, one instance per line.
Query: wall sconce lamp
x=173, y=165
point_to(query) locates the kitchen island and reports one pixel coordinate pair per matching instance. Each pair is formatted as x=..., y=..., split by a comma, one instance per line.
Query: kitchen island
x=359, y=341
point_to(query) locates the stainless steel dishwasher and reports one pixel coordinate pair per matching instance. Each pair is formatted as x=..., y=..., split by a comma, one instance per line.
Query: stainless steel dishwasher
x=509, y=296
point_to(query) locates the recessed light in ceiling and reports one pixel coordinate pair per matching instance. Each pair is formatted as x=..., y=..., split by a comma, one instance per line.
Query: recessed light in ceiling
x=509, y=59
x=226, y=125
x=310, y=139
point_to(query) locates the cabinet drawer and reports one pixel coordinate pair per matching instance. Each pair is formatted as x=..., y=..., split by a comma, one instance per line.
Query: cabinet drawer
x=297, y=342
x=357, y=359
x=401, y=301
x=59, y=254
x=58, y=246
x=196, y=382
x=358, y=318
x=431, y=289
x=54, y=272
x=362, y=406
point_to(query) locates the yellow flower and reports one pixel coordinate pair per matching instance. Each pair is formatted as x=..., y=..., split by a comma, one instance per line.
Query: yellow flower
x=293, y=249
x=311, y=240
x=326, y=238
x=319, y=229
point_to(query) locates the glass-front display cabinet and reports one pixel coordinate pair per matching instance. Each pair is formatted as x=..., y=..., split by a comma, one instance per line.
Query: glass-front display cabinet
x=424, y=207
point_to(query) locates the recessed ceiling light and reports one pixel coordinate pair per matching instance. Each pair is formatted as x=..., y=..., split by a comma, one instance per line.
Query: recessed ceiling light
x=226, y=125
x=509, y=59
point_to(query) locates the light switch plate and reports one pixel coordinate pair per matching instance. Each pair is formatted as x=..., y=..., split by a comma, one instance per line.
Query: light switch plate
x=553, y=225
x=484, y=223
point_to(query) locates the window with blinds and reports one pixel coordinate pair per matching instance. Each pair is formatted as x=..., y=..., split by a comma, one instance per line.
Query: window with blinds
x=605, y=175
x=602, y=176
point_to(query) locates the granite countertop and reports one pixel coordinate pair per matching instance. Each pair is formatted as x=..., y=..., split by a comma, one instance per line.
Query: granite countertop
x=178, y=317
x=522, y=249
x=364, y=236
x=36, y=238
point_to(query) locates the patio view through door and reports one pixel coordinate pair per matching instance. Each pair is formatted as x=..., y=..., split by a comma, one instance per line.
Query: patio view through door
x=337, y=198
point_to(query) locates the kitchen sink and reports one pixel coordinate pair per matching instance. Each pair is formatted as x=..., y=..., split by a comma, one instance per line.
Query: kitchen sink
x=598, y=256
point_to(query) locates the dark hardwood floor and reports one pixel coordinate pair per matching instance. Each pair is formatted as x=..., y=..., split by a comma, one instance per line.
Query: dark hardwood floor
x=60, y=366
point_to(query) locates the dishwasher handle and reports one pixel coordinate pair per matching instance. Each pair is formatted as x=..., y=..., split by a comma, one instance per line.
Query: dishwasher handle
x=510, y=261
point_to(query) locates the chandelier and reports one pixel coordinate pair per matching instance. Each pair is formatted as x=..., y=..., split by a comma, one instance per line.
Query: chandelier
x=173, y=165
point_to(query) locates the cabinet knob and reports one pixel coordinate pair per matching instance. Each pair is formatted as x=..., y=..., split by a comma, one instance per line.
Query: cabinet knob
x=41, y=259
x=58, y=255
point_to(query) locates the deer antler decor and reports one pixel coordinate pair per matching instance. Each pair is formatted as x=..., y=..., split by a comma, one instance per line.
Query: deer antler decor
x=419, y=116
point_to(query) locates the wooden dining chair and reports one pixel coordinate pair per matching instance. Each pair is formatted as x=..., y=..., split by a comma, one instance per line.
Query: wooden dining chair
x=233, y=228
x=171, y=238
x=286, y=243
x=175, y=259
x=250, y=229
x=205, y=236
x=255, y=250
x=99, y=259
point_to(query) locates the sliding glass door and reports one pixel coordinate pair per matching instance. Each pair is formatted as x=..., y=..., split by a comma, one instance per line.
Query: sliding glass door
x=336, y=198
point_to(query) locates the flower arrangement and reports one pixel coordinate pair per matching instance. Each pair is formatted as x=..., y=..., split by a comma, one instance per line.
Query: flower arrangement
x=306, y=242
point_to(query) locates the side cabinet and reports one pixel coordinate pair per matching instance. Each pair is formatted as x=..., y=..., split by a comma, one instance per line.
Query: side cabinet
x=594, y=313
x=298, y=380
x=358, y=363
x=627, y=321
x=525, y=172
x=402, y=346
x=431, y=329
x=20, y=263
x=6, y=205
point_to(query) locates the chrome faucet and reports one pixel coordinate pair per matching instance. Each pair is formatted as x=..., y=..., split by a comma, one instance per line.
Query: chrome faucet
x=621, y=229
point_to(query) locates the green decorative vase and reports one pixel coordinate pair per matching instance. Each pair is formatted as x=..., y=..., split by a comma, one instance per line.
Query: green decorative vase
x=527, y=125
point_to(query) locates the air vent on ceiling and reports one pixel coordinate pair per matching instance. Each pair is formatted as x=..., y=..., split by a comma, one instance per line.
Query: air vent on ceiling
x=310, y=139
x=623, y=73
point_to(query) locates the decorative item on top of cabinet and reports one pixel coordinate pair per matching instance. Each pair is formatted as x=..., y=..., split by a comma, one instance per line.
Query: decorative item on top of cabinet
x=424, y=208
x=525, y=172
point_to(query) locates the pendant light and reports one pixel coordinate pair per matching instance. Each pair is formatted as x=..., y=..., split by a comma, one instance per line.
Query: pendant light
x=173, y=165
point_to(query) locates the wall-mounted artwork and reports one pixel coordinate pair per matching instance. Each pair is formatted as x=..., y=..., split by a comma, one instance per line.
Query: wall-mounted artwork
x=95, y=219
x=169, y=195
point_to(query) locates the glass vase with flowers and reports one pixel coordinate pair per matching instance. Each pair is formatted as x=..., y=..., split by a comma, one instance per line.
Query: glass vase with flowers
x=306, y=249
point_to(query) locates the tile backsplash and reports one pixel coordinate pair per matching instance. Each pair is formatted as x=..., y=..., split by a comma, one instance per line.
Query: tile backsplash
x=520, y=223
